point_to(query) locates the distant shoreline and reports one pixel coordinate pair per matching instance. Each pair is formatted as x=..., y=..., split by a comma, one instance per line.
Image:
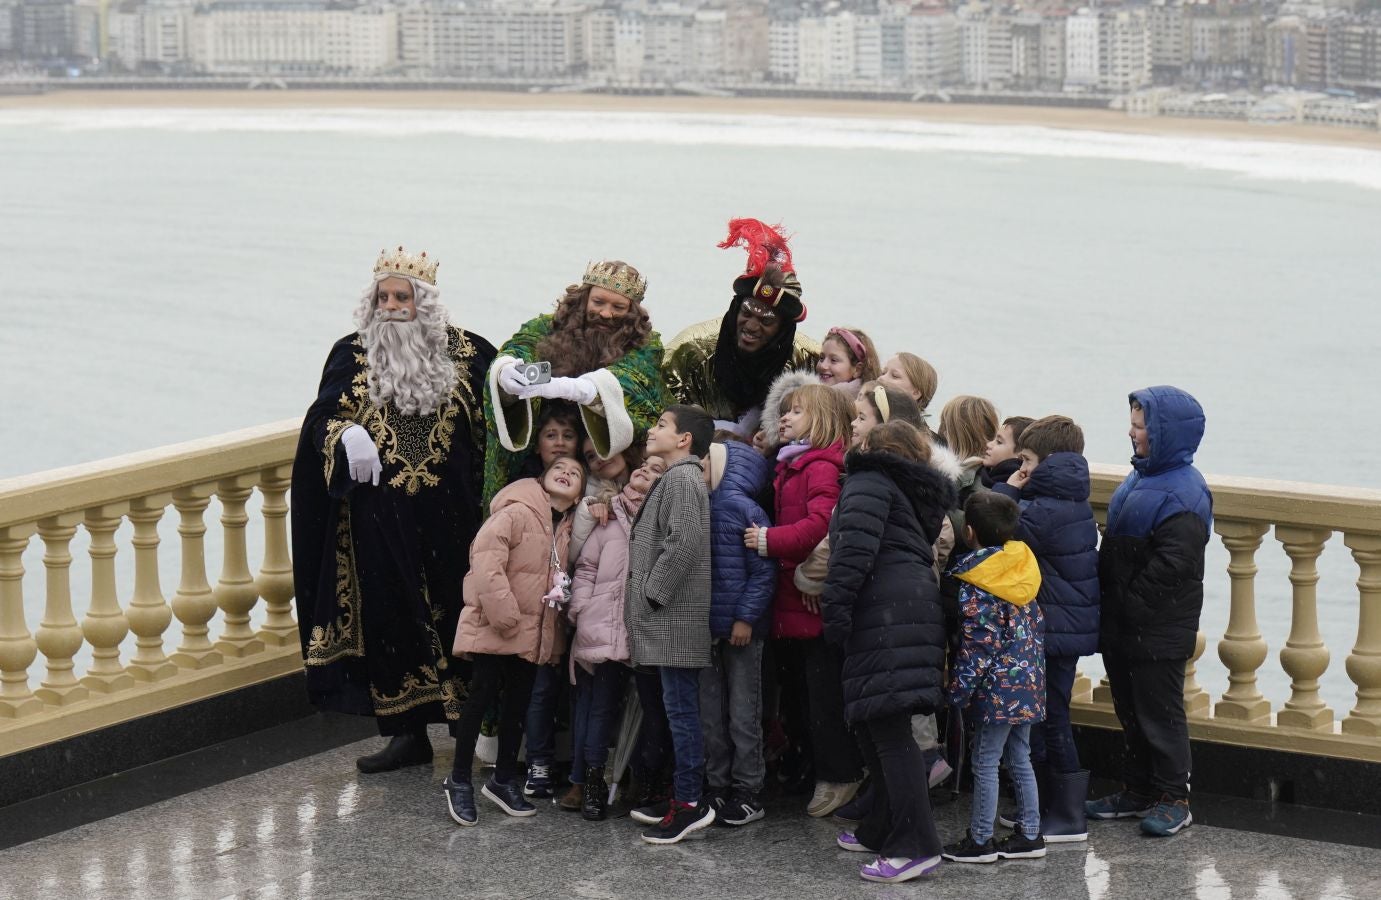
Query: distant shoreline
x=1101, y=120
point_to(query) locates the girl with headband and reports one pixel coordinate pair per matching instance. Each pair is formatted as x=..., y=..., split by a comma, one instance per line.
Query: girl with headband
x=847, y=359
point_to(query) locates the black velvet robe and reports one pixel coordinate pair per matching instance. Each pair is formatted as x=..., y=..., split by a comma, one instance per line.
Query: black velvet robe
x=378, y=570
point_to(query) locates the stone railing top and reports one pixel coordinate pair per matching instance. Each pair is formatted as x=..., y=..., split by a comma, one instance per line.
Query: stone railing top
x=1282, y=502
x=28, y=498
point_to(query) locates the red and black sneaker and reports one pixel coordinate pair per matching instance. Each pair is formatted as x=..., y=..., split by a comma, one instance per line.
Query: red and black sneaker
x=681, y=819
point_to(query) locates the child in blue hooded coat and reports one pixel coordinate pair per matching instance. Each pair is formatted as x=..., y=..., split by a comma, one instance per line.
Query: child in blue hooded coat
x=742, y=587
x=1151, y=575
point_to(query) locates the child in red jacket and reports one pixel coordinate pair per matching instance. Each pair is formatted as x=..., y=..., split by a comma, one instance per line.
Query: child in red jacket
x=814, y=430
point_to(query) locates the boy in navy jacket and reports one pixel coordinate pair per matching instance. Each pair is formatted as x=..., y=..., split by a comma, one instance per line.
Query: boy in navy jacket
x=1151, y=572
x=743, y=584
x=1057, y=523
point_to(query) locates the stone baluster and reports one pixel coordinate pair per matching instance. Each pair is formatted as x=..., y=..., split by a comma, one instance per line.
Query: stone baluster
x=1083, y=688
x=235, y=592
x=148, y=612
x=193, y=603
x=1364, y=662
x=275, y=583
x=105, y=625
x=1195, y=698
x=1304, y=657
x=18, y=649
x=1102, y=692
x=59, y=638
x=1242, y=648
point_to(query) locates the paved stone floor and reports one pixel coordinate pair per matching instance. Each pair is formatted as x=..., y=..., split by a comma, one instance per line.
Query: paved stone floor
x=315, y=828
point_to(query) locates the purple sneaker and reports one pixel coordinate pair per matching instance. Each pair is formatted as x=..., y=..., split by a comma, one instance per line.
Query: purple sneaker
x=847, y=840
x=891, y=871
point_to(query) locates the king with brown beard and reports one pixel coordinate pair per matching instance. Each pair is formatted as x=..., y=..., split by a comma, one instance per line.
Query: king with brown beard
x=385, y=503
x=604, y=357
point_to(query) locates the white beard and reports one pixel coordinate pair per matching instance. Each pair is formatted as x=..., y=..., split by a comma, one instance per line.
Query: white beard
x=409, y=365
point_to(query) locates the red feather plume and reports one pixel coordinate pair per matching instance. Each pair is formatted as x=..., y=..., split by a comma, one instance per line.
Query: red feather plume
x=766, y=244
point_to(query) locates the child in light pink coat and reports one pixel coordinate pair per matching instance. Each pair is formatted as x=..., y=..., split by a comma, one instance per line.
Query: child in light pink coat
x=599, y=652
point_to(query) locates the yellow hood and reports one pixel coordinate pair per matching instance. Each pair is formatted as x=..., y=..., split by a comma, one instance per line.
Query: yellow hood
x=1010, y=574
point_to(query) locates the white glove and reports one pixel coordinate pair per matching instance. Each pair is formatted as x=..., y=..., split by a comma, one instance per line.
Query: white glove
x=578, y=390
x=362, y=455
x=512, y=381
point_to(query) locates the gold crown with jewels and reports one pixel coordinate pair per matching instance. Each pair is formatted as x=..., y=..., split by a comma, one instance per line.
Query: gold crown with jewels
x=621, y=279
x=408, y=265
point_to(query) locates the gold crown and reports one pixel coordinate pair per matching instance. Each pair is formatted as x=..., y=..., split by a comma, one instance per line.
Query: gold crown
x=407, y=265
x=621, y=279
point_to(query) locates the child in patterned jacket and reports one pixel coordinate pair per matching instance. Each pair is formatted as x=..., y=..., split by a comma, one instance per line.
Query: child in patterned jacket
x=998, y=675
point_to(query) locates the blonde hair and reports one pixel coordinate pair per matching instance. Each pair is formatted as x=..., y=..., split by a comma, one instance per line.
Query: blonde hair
x=967, y=423
x=869, y=366
x=922, y=375
x=829, y=413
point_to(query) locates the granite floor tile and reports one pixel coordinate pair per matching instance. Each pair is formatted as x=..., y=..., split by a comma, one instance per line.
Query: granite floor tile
x=315, y=828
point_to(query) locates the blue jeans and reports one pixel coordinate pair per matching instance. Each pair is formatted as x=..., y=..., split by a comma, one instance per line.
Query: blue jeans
x=681, y=699
x=731, y=716
x=540, y=727
x=993, y=742
x=1052, y=741
x=598, y=701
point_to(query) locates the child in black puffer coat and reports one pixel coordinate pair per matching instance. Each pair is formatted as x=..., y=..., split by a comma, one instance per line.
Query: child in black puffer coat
x=881, y=606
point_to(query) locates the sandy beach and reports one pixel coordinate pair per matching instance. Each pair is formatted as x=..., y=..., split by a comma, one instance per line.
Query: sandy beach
x=1048, y=117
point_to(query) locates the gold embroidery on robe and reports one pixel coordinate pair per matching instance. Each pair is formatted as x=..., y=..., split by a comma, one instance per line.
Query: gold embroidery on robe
x=343, y=637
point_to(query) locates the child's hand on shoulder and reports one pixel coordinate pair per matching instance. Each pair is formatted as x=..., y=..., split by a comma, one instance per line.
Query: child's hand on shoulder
x=598, y=511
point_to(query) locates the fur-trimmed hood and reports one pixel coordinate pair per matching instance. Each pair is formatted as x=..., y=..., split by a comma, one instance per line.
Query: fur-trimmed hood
x=931, y=493
x=782, y=385
x=944, y=461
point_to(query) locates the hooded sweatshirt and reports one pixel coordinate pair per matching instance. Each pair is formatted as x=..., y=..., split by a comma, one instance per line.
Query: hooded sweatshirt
x=999, y=671
x=1151, y=562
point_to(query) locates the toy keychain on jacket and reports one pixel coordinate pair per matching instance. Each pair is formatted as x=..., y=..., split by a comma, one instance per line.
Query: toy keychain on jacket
x=560, y=593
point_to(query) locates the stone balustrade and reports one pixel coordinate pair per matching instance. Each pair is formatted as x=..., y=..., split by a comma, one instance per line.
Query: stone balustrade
x=1304, y=517
x=145, y=488
x=38, y=707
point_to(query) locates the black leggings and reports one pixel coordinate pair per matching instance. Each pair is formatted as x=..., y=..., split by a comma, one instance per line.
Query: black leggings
x=490, y=673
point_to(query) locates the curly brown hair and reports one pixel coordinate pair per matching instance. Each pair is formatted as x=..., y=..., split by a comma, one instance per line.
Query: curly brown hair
x=573, y=348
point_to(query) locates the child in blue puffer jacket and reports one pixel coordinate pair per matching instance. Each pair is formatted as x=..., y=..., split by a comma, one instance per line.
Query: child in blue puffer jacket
x=741, y=597
x=1057, y=523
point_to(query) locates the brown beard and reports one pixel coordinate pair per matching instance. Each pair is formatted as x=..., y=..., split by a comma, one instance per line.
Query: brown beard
x=575, y=348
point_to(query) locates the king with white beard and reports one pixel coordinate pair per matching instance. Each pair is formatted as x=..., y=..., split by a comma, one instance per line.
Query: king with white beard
x=386, y=500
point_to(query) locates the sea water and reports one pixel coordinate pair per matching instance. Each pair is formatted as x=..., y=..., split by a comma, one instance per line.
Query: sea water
x=174, y=274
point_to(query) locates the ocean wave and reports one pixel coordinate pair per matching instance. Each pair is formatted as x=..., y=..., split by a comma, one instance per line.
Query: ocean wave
x=1273, y=160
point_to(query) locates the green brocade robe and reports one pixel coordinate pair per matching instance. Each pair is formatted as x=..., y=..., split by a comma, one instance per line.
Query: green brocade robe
x=632, y=395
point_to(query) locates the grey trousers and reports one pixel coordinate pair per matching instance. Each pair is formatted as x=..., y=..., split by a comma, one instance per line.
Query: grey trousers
x=731, y=716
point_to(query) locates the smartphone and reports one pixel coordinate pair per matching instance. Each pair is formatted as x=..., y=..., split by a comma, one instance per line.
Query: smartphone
x=537, y=372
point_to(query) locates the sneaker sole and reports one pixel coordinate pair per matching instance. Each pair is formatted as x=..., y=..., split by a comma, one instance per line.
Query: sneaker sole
x=1065, y=838
x=984, y=859
x=1188, y=820
x=854, y=848
x=751, y=817
x=1025, y=854
x=829, y=808
x=690, y=829
x=515, y=813
x=923, y=869
x=642, y=818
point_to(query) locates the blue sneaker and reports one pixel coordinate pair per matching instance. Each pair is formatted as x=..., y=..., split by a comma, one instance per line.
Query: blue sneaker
x=508, y=798
x=1167, y=817
x=1121, y=805
x=460, y=801
x=538, y=782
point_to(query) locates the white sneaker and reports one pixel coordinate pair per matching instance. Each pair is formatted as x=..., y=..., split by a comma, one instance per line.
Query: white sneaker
x=829, y=796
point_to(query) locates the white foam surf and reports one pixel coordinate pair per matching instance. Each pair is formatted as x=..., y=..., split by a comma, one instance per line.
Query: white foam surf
x=1274, y=160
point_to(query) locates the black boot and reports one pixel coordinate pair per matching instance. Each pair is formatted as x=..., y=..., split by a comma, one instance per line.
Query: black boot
x=409, y=749
x=595, y=794
x=1063, y=820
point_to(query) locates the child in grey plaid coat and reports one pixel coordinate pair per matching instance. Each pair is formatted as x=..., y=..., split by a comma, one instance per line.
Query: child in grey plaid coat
x=667, y=610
